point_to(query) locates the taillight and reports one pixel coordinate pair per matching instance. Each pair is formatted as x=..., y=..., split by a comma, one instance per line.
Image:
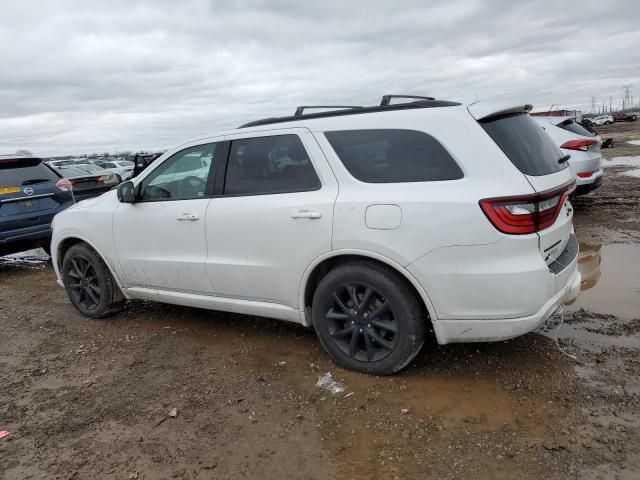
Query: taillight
x=584, y=174
x=101, y=179
x=582, y=145
x=64, y=184
x=523, y=214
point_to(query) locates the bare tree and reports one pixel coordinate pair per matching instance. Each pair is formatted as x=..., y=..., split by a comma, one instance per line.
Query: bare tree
x=24, y=152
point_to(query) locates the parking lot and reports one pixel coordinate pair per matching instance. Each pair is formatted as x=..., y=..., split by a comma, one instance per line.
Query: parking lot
x=173, y=392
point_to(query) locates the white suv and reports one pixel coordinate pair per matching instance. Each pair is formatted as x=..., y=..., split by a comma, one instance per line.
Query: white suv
x=373, y=224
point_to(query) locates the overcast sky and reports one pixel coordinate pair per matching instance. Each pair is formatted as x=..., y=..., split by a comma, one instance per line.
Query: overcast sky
x=92, y=76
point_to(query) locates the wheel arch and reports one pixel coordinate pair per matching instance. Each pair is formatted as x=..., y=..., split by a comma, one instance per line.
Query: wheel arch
x=323, y=264
x=66, y=243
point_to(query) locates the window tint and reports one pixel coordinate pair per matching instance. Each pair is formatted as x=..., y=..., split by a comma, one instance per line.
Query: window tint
x=525, y=143
x=276, y=164
x=574, y=127
x=18, y=172
x=390, y=156
x=182, y=176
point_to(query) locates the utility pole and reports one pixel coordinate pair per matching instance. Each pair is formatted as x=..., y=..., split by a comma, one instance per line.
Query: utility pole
x=610, y=110
x=626, y=98
x=593, y=103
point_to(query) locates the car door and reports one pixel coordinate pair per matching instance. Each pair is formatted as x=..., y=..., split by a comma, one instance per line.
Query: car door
x=271, y=216
x=160, y=239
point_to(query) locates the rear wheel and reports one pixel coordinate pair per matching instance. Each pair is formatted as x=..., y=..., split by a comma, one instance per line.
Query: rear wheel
x=89, y=283
x=368, y=318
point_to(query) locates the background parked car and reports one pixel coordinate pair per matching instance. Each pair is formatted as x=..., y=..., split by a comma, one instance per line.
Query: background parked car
x=31, y=193
x=601, y=120
x=624, y=117
x=582, y=145
x=123, y=169
x=109, y=177
x=87, y=184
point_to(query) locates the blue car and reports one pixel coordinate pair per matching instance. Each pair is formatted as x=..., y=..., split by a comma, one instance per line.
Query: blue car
x=31, y=193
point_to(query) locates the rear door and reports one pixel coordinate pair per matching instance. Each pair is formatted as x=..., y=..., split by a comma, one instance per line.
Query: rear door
x=28, y=193
x=271, y=216
x=545, y=167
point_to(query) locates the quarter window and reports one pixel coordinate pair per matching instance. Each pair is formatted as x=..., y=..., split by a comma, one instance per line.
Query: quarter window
x=393, y=156
x=184, y=176
x=263, y=165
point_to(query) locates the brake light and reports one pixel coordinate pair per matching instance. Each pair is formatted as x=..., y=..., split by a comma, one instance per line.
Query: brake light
x=64, y=184
x=100, y=179
x=523, y=214
x=582, y=145
x=584, y=174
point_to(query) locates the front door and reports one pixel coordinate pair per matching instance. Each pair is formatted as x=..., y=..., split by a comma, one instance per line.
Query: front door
x=272, y=217
x=160, y=239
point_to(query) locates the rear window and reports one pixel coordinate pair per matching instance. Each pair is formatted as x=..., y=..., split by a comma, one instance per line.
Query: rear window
x=393, y=156
x=24, y=171
x=576, y=128
x=525, y=143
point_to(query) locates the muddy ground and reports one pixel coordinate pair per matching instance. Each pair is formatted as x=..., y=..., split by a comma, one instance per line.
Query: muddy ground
x=92, y=399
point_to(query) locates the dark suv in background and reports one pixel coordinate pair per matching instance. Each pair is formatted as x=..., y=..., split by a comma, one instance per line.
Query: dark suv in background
x=31, y=193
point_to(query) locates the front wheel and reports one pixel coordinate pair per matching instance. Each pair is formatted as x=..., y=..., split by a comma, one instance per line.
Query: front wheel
x=89, y=283
x=368, y=318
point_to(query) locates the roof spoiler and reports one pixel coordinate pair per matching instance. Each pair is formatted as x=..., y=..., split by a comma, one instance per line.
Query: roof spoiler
x=485, y=110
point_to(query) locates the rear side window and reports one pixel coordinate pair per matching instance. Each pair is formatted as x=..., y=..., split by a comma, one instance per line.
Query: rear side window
x=25, y=171
x=525, y=143
x=393, y=156
x=576, y=128
x=263, y=165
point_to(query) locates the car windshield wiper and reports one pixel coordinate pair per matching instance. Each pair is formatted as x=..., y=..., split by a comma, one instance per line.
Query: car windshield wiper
x=564, y=159
x=33, y=181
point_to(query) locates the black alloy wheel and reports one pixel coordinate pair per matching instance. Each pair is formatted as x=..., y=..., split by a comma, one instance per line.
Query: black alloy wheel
x=84, y=284
x=89, y=283
x=362, y=322
x=368, y=317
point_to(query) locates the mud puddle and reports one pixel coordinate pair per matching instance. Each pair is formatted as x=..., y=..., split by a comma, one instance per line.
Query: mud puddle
x=610, y=280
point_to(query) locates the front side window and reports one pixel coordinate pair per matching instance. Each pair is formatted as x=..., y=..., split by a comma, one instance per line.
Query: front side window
x=392, y=156
x=264, y=165
x=183, y=176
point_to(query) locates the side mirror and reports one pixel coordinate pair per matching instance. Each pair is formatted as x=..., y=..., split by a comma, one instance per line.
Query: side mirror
x=127, y=192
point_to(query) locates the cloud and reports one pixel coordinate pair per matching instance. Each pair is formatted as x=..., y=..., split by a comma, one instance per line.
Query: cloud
x=93, y=76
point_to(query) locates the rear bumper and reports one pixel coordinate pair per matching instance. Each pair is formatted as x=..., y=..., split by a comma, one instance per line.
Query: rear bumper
x=25, y=239
x=459, y=331
x=586, y=187
x=492, y=292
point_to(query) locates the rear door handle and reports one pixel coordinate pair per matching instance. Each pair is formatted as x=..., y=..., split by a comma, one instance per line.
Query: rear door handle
x=307, y=214
x=189, y=217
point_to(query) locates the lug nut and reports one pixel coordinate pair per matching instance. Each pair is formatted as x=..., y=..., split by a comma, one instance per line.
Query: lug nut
x=360, y=330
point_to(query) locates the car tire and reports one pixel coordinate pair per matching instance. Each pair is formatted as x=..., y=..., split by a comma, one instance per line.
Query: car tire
x=368, y=318
x=89, y=283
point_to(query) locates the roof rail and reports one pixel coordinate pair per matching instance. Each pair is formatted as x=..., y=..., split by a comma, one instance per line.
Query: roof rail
x=386, y=99
x=343, y=111
x=302, y=108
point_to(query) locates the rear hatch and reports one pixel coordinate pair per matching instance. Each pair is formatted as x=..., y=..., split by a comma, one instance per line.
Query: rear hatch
x=544, y=166
x=28, y=193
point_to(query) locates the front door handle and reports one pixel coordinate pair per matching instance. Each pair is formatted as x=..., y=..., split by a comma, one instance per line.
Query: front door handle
x=189, y=217
x=307, y=214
